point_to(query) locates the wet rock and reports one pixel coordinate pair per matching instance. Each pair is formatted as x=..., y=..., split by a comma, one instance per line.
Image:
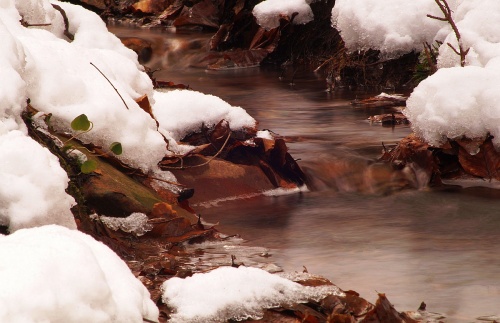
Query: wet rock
x=220, y=179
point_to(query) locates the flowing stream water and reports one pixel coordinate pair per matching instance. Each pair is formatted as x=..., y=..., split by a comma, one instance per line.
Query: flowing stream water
x=441, y=246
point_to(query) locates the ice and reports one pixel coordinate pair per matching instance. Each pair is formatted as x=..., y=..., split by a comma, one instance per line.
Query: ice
x=53, y=274
x=233, y=293
x=269, y=11
x=136, y=223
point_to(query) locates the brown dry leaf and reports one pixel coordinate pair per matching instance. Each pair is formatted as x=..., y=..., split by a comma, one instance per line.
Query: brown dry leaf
x=484, y=164
x=163, y=210
x=169, y=227
x=143, y=103
x=385, y=312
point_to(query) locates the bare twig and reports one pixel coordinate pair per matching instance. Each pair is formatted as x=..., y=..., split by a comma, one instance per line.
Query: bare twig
x=66, y=22
x=205, y=163
x=148, y=320
x=445, y=9
x=126, y=106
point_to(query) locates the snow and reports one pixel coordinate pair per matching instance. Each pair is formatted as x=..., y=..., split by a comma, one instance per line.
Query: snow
x=53, y=274
x=41, y=64
x=455, y=101
x=269, y=11
x=463, y=101
x=234, y=293
x=478, y=22
x=181, y=112
x=394, y=27
x=61, y=80
x=35, y=197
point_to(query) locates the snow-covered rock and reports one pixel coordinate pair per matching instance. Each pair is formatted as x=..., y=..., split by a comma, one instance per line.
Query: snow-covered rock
x=268, y=12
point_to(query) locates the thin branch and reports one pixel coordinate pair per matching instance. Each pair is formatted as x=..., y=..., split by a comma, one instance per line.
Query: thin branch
x=437, y=18
x=126, y=106
x=205, y=163
x=70, y=36
x=454, y=49
x=445, y=9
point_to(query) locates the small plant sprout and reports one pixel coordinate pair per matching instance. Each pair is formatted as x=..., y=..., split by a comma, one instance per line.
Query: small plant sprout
x=83, y=125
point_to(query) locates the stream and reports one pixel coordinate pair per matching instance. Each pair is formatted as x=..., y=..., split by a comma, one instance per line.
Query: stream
x=440, y=246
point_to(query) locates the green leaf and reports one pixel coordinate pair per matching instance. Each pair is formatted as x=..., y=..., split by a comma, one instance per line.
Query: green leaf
x=80, y=123
x=89, y=166
x=116, y=148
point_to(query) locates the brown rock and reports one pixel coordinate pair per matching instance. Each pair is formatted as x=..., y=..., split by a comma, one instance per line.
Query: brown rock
x=220, y=179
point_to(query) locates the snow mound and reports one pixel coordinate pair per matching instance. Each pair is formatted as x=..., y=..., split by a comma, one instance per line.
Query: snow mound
x=269, y=11
x=61, y=80
x=233, y=293
x=181, y=112
x=456, y=102
x=32, y=185
x=53, y=274
x=462, y=101
x=394, y=27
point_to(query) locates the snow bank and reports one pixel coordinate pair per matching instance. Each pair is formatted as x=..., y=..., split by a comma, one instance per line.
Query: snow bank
x=463, y=101
x=52, y=274
x=32, y=185
x=233, y=293
x=60, y=80
x=269, y=11
x=181, y=112
x=456, y=102
x=394, y=27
